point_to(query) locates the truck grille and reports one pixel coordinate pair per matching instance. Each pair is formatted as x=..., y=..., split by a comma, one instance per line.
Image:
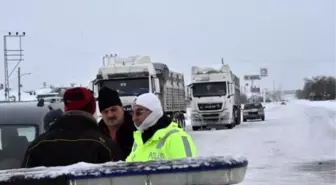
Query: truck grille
x=210, y=115
x=210, y=106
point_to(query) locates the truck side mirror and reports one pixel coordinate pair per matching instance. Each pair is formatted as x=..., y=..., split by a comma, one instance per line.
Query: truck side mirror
x=157, y=86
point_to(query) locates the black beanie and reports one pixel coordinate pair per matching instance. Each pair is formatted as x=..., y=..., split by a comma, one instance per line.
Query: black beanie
x=107, y=98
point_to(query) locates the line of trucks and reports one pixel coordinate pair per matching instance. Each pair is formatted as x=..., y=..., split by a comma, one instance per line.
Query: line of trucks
x=212, y=97
x=213, y=94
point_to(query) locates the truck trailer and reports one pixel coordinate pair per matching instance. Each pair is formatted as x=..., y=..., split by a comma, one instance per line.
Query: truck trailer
x=215, y=98
x=132, y=76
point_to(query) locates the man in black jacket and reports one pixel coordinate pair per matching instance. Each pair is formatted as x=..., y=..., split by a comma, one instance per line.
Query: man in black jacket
x=74, y=137
x=116, y=122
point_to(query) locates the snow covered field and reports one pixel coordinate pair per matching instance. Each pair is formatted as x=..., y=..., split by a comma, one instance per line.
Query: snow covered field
x=294, y=145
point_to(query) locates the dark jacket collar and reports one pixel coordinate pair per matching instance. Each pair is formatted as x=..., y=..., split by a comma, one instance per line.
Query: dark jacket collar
x=75, y=120
x=124, y=133
x=163, y=122
x=126, y=126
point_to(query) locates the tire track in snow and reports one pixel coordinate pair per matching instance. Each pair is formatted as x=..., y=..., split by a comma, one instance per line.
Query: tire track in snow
x=276, y=147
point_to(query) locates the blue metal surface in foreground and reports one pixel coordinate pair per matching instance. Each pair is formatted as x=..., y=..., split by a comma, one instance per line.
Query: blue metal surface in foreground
x=210, y=170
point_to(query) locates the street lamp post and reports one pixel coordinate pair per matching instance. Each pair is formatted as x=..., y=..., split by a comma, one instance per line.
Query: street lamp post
x=19, y=82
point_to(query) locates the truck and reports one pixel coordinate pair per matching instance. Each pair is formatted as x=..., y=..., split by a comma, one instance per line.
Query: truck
x=214, y=96
x=134, y=75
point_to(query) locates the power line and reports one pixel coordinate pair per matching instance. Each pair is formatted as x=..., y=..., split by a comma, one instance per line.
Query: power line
x=11, y=55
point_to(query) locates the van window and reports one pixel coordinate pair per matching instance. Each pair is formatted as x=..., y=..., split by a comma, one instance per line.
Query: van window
x=6, y=132
x=14, y=140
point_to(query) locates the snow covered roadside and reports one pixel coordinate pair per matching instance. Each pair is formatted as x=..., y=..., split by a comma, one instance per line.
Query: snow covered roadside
x=327, y=108
x=24, y=96
x=323, y=104
x=293, y=145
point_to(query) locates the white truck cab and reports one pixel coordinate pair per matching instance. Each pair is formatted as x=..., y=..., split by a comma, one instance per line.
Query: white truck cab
x=132, y=76
x=214, y=95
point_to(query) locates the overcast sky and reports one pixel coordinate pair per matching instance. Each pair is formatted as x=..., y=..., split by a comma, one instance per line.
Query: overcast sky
x=66, y=39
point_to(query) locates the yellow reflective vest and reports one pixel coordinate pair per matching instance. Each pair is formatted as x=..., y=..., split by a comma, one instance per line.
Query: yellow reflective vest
x=168, y=143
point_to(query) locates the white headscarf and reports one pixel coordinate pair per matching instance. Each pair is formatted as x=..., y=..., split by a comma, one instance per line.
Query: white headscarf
x=151, y=102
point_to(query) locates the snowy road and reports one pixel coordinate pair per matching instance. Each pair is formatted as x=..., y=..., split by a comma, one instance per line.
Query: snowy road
x=294, y=145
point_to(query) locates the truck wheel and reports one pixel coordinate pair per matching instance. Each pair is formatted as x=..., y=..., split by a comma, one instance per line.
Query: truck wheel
x=183, y=126
x=237, y=117
x=231, y=126
x=244, y=119
x=263, y=118
x=194, y=128
x=179, y=119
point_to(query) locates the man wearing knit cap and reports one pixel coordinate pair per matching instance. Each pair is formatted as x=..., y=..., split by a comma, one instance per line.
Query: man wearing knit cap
x=158, y=137
x=116, y=122
x=73, y=137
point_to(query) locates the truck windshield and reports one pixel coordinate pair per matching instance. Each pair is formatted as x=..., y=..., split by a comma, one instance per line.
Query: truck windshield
x=128, y=87
x=14, y=140
x=209, y=89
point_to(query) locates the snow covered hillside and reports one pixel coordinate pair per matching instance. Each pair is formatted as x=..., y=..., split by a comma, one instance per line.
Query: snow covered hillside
x=294, y=145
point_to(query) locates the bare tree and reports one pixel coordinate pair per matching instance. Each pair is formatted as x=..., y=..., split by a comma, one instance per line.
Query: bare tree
x=318, y=88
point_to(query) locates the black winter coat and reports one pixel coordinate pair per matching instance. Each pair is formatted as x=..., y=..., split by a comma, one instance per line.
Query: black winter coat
x=124, y=134
x=73, y=138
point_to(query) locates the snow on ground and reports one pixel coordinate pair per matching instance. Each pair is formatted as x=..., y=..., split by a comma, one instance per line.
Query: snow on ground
x=324, y=104
x=24, y=96
x=294, y=145
x=326, y=108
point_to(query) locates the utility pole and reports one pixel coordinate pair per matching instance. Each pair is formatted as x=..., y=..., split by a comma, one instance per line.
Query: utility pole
x=280, y=92
x=274, y=93
x=264, y=94
x=19, y=82
x=11, y=55
x=252, y=90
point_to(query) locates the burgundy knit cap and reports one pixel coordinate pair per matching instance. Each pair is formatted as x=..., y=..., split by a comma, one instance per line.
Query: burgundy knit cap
x=79, y=98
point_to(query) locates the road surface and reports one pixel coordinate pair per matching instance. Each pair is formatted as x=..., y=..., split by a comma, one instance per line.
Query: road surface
x=294, y=145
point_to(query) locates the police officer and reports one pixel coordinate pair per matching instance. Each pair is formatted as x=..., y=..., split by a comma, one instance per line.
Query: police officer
x=157, y=137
